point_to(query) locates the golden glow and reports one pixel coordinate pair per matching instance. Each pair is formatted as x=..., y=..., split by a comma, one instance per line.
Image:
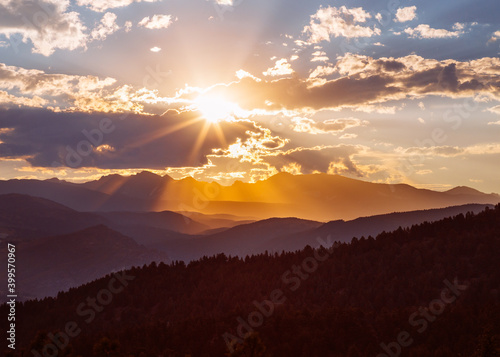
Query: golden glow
x=215, y=109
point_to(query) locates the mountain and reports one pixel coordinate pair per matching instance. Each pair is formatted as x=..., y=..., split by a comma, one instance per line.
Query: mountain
x=345, y=231
x=25, y=217
x=142, y=185
x=318, y=197
x=165, y=220
x=242, y=240
x=48, y=265
x=153, y=228
x=289, y=234
x=183, y=238
x=217, y=221
x=72, y=195
x=435, y=285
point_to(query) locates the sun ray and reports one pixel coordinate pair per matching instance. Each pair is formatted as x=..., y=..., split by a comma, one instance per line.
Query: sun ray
x=166, y=131
x=220, y=134
x=200, y=139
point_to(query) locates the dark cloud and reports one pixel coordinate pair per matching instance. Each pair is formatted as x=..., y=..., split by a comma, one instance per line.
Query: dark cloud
x=392, y=66
x=448, y=77
x=112, y=141
x=294, y=93
x=442, y=79
x=424, y=79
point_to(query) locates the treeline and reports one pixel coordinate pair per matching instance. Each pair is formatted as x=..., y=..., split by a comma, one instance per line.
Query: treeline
x=430, y=290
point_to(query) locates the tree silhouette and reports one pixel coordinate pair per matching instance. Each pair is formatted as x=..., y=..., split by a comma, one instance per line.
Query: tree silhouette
x=488, y=346
x=355, y=300
x=252, y=346
x=105, y=347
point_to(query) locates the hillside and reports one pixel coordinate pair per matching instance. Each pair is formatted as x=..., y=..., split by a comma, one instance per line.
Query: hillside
x=289, y=234
x=242, y=240
x=48, y=265
x=25, y=217
x=350, y=300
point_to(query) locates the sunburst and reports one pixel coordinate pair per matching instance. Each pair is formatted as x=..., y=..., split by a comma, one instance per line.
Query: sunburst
x=215, y=109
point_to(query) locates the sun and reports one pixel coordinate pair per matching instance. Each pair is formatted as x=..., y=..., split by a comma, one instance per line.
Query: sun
x=214, y=109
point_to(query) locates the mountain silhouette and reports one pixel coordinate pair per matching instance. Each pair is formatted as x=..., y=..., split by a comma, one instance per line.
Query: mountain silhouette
x=437, y=282
x=48, y=265
x=319, y=197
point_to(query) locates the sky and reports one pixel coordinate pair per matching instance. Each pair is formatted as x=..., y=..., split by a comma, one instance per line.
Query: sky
x=222, y=90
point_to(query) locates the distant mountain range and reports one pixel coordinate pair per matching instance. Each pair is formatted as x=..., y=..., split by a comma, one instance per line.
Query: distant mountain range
x=68, y=234
x=318, y=197
x=59, y=247
x=288, y=234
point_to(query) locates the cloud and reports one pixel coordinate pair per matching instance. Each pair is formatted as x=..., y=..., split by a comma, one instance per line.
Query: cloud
x=263, y=154
x=156, y=22
x=106, y=27
x=483, y=149
x=446, y=151
x=452, y=151
x=66, y=92
x=371, y=108
x=360, y=83
x=252, y=149
x=49, y=26
x=9, y=100
x=319, y=56
x=404, y=14
x=322, y=71
x=423, y=172
x=495, y=109
x=425, y=31
x=476, y=180
x=281, y=68
x=155, y=49
x=365, y=82
x=244, y=74
x=306, y=125
x=331, y=159
x=128, y=26
x=44, y=139
x=338, y=22
x=46, y=23
x=495, y=36
x=294, y=93
x=349, y=136
x=103, y=5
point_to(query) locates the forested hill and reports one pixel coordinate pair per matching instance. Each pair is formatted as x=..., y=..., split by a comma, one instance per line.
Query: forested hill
x=431, y=290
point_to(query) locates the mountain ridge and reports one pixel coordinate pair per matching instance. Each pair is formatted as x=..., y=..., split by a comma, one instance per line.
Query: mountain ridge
x=56, y=263
x=357, y=297
x=319, y=197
